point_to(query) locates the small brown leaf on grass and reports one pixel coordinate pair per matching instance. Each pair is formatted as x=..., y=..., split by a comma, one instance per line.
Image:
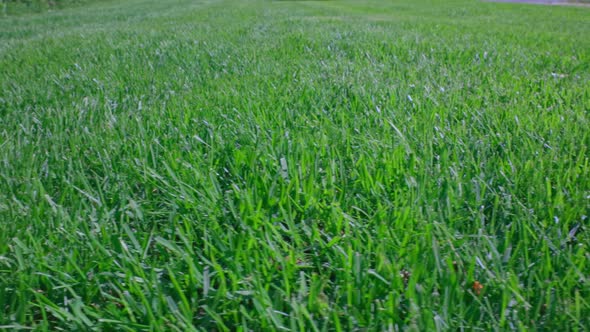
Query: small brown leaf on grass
x=477, y=287
x=405, y=274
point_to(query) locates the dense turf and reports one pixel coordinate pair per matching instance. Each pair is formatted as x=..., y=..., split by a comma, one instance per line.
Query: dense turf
x=330, y=165
x=12, y=7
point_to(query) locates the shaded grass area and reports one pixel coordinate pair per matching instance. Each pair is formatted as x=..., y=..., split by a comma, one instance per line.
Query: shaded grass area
x=20, y=7
x=258, y=165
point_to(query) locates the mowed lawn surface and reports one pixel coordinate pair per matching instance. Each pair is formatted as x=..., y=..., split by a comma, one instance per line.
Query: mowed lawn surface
x=295, y=165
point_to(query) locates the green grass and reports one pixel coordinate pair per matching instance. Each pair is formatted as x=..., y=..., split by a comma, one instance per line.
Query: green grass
x=13, y=7
x=295, y=165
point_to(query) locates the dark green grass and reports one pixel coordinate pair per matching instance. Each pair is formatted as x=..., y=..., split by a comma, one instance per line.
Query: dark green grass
x=331, y=165
x=19, y=7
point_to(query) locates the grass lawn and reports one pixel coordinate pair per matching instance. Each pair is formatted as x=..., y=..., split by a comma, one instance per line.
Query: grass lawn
x=295, y=165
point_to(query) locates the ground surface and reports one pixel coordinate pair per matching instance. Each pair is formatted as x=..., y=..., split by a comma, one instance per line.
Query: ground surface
x=535, y=1
x=266, y=165
x=548, y=2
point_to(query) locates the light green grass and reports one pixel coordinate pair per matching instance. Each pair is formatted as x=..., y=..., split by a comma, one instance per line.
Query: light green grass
x=295, y=165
